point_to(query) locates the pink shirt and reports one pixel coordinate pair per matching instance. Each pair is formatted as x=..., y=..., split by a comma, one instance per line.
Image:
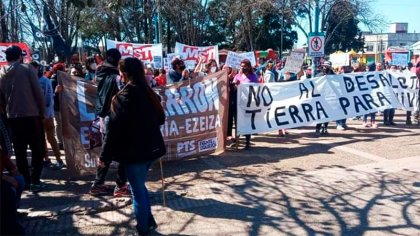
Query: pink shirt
x=242, y=78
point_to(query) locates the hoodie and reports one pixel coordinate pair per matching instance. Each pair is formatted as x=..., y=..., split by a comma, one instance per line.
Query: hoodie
x=107, y=78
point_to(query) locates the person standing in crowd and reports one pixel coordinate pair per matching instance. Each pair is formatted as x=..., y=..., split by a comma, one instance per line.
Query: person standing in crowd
x=389, y=113
x=134, y=138
x=269, y=76
x=175, y=74
x=414, y=116
x=325, y=69
x=212, y=67
x=232, y=104
x=77, y=70
x=90, y=65
x=246, y=75
x=49, y=115
x=150, y=76
x=161, y=78
x=57, y=88
x=25, y=109
x=371, y=66
x=12, y=183
x=109, y=83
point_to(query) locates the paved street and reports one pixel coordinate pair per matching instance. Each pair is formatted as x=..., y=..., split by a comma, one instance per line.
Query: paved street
x=361, y=181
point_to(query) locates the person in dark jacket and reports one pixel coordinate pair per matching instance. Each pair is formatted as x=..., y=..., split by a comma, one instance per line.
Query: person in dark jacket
x=107, y=78
x=25, y=108
x=134, y=138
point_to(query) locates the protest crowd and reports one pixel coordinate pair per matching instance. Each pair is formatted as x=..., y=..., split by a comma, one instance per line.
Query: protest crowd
x=129, y=115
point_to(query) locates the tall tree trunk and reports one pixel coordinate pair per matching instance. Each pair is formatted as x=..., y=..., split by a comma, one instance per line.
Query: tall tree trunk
x=3, y=24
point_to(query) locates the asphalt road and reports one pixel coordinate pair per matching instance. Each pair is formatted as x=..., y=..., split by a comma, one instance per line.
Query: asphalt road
x=361, y=181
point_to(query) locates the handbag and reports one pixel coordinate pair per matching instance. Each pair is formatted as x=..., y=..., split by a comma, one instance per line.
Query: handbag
x=94, y=134
x=157, y=147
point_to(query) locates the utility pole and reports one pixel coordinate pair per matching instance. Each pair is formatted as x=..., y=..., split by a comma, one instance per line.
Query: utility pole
x=315, y=59
x=159, y=21
x=282, y=29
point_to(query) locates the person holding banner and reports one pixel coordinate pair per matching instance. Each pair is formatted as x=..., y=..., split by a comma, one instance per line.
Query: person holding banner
x=389, y=113
x=370, y=67
x=49, y=117
x=246, y=75
x=325, y=69
x=134, y=138
x=109, y=84
x=90, y=66
x=57, y=88
x=178, y=66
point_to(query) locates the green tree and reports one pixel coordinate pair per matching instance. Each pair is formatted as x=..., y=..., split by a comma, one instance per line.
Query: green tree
x=341, y=27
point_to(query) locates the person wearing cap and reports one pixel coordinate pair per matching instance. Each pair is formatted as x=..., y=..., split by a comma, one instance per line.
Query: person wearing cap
x=109, y=83
x=57, y=88
x=49, y=116
x=22, y=100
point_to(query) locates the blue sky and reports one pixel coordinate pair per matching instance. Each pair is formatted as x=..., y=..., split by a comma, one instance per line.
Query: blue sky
x=392, y=11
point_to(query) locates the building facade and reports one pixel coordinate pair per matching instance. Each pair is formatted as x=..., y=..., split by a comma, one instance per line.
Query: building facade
x=398, y=39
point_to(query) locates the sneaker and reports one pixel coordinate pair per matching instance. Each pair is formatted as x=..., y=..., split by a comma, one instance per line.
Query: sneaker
x=366, y=125
x=123, y=191
x=47, y=163
x=97, y=190
x=340, y=127
x=233, y=144
x=58, y=166
x=37, y=187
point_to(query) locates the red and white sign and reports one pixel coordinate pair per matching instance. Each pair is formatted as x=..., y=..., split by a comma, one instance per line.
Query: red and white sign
x=192, y=53
x=316, y=46
x=23, y=46
x=144, y=52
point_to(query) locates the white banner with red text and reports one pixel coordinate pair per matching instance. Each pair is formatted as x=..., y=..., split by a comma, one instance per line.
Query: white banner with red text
x=192, y=54
x=147, y=53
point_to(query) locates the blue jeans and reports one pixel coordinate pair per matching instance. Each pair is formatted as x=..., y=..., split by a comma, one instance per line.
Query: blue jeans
x=372, y=117
x=18, y=191
x=136, y=175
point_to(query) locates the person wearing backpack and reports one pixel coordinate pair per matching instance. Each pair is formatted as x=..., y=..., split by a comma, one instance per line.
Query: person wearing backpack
x=107, y=79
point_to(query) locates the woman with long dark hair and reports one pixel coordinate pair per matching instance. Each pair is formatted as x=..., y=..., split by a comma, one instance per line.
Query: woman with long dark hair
x=134, y=138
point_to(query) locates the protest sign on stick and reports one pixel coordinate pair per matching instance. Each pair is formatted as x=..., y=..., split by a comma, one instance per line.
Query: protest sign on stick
x=234, y=59
x=294, y=62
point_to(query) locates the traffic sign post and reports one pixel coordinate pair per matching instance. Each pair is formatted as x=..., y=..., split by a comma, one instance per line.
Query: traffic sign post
x=316, y=46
